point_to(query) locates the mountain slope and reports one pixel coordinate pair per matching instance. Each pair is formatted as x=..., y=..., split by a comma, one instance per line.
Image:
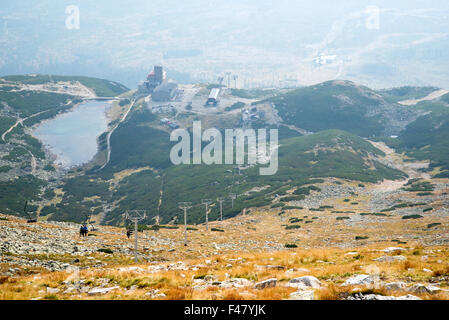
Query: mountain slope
x=26, y=169
x=427, y=138
x=342, y=105
x=159, y=186
x=101, y=87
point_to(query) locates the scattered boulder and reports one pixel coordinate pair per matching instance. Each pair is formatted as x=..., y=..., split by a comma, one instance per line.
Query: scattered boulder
x=390, y=259
x=236, y=283
x=408, y=297
x=155, y=294
x=270, y=267
x=303, y=270
x=52, y=290
x=360, y=296
x=393, y=249
x=360, y=279
x=303, y=295
x=210, y=278
x=305, y=282
x=98, y=291
x=421, y=288
x=395, y=286
x=270, y=283
x=131, y=269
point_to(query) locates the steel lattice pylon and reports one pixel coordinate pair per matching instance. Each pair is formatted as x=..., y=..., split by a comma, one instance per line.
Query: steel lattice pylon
x=221, y=200
x=185, y=206
x=207, y=202
x=135, y=216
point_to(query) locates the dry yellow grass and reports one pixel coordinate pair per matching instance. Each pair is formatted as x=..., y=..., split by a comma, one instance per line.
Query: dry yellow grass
x=327, y=248
x=332, y=266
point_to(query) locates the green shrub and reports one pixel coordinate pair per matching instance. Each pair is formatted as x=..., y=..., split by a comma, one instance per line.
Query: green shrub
x=290, y=245
x=124, y=102
x=292, y=227
x=431, y=225
x=374, y=214
x=412, y=216
x=105, y=250
x=421, y=186
x=292, y=198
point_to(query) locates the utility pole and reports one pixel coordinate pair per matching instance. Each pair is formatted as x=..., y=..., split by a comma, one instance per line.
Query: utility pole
x=233, y=196
x=135, y=216
x=221, y=200
x=207, y=202
x=229, y=79
x=185, y=206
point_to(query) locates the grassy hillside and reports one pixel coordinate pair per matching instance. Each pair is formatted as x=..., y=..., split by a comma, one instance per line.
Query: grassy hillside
x=102, y=88
x=406, y=93
x=20, y=151
x=342, y=105
x=158, y=189
x=427, y=138
x=136, y=144
x=28, y=103
x=445, y=98
x=14, y=193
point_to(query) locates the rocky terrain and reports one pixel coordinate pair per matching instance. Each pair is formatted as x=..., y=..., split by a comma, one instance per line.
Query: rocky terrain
x=339, y=246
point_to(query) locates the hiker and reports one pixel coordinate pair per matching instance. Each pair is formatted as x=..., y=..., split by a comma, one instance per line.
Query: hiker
x=83, y=231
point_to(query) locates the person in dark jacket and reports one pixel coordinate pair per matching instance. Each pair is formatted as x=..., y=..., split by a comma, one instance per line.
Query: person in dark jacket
x=83, y=231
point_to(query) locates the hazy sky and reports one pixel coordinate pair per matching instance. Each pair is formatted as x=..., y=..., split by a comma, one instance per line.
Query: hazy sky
x=266, y=43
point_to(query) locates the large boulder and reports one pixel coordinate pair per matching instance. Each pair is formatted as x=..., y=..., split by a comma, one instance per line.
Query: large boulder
x=305, y=282
x=380, y=297
x=421, y=288
x=360, y=280
x=393, y=249
x=390, y=259
x=269, y=283
x=302, y=295
x=98, y=291
x=395, y=285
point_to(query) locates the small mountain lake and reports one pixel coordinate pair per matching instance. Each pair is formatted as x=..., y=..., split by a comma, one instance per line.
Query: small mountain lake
x=72, y=136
